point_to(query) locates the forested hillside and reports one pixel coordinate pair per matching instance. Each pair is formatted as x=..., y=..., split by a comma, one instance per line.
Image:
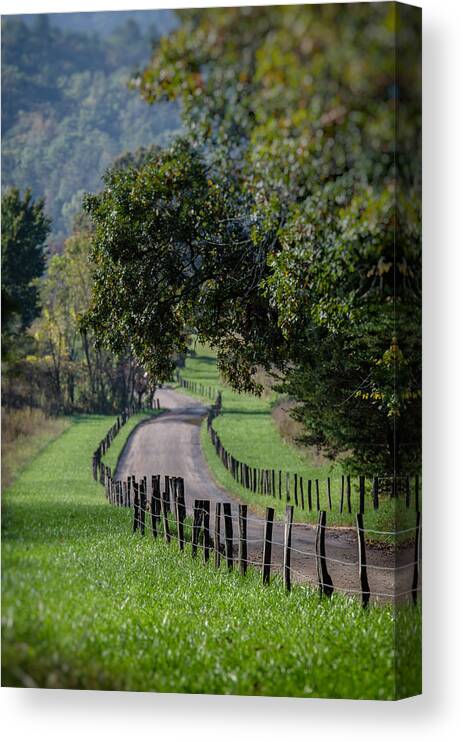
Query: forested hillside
x=67, y=111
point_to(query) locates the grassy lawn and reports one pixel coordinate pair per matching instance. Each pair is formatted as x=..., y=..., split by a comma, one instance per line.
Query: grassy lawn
x=248, y=431
x=88, y=605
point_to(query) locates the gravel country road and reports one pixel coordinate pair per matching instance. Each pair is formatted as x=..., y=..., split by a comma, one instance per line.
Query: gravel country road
x=170, y=444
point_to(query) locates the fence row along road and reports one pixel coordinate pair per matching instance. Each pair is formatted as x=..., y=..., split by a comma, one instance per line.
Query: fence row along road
x=170, y=444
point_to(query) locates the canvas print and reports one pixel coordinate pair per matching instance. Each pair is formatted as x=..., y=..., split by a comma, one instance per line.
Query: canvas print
x=211, y=351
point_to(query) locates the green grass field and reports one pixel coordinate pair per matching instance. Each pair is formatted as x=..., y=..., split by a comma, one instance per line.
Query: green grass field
x=248, y=431
x=88, y=605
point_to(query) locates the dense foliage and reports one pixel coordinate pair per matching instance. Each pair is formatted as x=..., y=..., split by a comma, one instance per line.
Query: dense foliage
x=67, y=111
x=301, y=262
x=24, y=231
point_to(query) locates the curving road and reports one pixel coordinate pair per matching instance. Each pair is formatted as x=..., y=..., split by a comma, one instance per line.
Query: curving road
x=170, y=444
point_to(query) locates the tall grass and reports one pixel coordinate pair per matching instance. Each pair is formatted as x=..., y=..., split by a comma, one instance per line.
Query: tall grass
x=25, y=432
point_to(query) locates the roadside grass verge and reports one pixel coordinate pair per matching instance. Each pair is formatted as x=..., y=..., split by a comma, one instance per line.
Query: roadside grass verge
x=25, y=432
x=88, y=605
x=247, y=429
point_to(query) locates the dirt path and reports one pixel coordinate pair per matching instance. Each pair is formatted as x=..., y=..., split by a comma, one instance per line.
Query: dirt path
x=171, y=445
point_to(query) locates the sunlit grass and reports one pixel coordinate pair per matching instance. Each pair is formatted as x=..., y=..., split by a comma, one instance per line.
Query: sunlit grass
x=88, y=605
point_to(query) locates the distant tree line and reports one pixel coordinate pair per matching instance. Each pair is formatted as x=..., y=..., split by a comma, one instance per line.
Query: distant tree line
x=48, y=361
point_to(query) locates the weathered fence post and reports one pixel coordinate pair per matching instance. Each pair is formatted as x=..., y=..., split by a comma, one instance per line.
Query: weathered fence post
x=267, y=555
x=167, y=492
x=164, y=507
x=206, y=530
x=243, y=544
x=317, y=489
x=362, y=561
x=197, y=519
x=180, y=510
x=287, y=547
x=328, y=487
x=142, y=505
x=309, y=493
x=375, y=493
x=341, y=504
x=361, y=494
x=325, y=583
x=349, y=503
x=228, y=523
x=217, y=535
x=136, y=506
x=153, y=508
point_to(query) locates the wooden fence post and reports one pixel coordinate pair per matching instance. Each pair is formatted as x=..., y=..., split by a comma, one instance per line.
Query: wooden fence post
x=301, y=486
x=328, y=487
x=243, y=543
x=206, y=528
x=349, y=504
x=288, y=498
x=362, y=494
x=362, y=561
x=296, y=499
x=317, y=489
x=228, y=523
x=164, y=507
x=325, y=583
x=279, y=484
x=142, y=506
x=309, y=493
x=267, y=555
x=197, y=519
x=181, y=511
x=217, y=535
x=136, y=506
x=167, y=492
x=375, y=493
x=287, y=547
x=153, y=508
x=416, y=566
x=341, y=504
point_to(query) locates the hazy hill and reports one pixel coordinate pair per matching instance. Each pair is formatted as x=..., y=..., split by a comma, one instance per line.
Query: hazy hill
x=67, y=112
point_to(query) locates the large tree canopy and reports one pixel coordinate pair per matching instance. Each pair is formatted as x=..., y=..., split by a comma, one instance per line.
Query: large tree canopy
x=24, y=231
x=273, y=228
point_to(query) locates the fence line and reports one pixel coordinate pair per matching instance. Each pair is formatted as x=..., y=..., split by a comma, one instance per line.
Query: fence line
x=163, y=511
x=197, y=387
x=294, y=489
